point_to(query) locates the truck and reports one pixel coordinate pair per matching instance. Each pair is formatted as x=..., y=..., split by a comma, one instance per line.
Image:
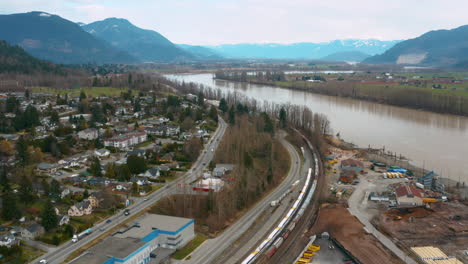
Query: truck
x=274, y=203
x=81, y=235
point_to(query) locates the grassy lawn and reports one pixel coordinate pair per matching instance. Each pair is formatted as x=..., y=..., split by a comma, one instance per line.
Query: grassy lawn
x=144, y=144
x=30, y=253
x=90, y=91
x=190, y=247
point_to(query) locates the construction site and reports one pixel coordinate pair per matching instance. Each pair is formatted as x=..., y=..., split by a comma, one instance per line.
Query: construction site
x=376, y=211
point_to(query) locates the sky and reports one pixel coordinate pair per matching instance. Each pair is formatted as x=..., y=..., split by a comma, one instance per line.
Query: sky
x=213, y=22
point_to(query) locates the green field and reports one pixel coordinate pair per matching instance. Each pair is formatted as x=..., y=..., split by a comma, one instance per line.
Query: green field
x=190, y=247
x=90, y=91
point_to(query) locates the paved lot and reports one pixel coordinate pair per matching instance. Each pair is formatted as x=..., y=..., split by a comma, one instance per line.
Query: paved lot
x=329, y=252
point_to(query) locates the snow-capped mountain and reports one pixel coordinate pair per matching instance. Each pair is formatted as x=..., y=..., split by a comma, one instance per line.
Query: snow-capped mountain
x=305, y=50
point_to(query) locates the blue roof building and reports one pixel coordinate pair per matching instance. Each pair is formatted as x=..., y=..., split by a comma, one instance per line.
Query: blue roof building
x=156, y=236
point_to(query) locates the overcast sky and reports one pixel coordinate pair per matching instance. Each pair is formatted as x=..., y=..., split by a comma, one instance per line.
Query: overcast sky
x=261, y=21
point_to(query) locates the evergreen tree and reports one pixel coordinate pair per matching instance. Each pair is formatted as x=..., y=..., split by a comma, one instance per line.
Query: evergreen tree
x=110, y=171
x=55, y=189
x=26, y=194
x=54, y=117
x=136, y=164
x=95, y=168
x=46, y=187
x=223, y=105
x=123, y=173
x=232, y=116
x=269, y=127
x=282, y=118
x=201, y=98
x=4, y=182
x=82, y=95
x=137, y=105
x=213, y=113
x=134, y=187
x=10, y=209
x=22, y=154
x=49, y=219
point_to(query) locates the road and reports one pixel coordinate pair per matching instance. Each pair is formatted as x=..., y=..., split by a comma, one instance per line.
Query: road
x=357, y=207
x=211, y=251
x=62, y=252
x=250, y=243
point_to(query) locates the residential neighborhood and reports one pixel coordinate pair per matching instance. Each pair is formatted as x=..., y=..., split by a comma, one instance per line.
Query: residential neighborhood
x=74, y=161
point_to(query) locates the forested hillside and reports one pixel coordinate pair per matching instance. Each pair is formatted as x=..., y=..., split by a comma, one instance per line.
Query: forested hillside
x=13, y=59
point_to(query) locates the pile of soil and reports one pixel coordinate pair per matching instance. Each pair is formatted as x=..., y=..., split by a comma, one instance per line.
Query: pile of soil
x=349, y=232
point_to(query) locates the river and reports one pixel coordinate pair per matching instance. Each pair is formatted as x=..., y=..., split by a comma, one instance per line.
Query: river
x=434, y=141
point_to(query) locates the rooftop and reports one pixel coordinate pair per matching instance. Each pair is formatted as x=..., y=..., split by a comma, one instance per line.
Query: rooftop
x=111, y=246
x=149, y=222
x=433, y=255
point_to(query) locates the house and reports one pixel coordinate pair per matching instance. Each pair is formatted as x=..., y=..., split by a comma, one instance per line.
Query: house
x=351, y=164
x=210, y=184
x=168, y=157
x=126, y=140
x=102, y=153
x=139, y=180
x=63, y=219
x=64, y=192
x=94, y=200
x=136, y=152
x=222, y=168
x=163, y=130
x=32, y=231
x=409, y=196
x=152, y=173
x=88, y=134
x=80, y=209
x=47, y=167
x=8, y=240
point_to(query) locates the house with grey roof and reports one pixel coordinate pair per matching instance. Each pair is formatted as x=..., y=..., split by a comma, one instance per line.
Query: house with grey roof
x=32, y=231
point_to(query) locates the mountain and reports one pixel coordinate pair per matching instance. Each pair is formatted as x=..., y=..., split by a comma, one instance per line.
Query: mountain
x=13, y=59
x=440, y=47
x=355, y=56
x=55, y=39
x=146, y=45
x=201, y=52
x=305, y=50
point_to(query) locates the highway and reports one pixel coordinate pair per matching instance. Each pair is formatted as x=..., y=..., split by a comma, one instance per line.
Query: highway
x=61, y=253
x=213, y=250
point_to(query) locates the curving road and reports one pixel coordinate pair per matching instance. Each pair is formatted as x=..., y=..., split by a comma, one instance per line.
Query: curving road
x=62, y=252
x=213, y=250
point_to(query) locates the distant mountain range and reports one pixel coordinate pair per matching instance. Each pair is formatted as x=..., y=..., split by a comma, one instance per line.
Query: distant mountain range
x=354, y=56
x=14, y=59
x=306, y=50
x=434, y=48
x=55, y=39
x=201, y=52
x=145, y=45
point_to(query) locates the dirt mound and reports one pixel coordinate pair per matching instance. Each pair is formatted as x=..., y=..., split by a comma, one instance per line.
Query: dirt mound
x=349, y=232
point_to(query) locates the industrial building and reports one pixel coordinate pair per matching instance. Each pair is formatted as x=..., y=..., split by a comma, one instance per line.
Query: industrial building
x=433, y=255
x=151, y=238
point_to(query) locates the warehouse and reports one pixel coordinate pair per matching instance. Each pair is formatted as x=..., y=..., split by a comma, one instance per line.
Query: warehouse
x=152, y=236
x=433, y=255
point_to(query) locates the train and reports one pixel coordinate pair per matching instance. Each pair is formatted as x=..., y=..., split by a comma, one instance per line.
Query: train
x=274, y=240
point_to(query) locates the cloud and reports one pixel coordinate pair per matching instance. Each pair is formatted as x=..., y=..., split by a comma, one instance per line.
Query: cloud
x=238, y=21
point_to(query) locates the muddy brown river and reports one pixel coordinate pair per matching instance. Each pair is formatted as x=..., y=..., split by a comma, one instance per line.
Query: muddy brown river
x=438, y=142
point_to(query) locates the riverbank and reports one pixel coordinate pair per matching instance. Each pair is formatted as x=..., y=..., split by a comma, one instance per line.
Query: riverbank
x=433, y=100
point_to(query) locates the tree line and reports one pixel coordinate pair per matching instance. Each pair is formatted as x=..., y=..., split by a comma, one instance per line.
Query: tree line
x=412, y=97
